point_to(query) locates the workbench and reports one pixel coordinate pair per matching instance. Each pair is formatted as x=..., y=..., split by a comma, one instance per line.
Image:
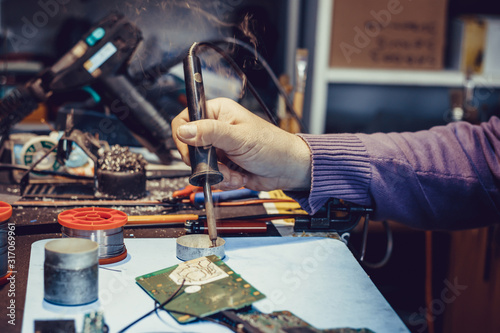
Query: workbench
x=331, y=290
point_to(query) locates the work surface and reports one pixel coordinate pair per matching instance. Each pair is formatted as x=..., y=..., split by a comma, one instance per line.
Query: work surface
x=317, y=279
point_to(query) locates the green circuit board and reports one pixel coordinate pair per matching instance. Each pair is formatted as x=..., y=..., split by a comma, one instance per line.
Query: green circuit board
x=210, y=286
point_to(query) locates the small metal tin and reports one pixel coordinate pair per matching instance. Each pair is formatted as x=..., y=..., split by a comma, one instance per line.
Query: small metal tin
x=195, y=246
x=71, y=271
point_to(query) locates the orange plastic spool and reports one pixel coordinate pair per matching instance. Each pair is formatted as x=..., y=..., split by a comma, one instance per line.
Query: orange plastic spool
x=5, y=214
x=102, y=225
x=92, y=218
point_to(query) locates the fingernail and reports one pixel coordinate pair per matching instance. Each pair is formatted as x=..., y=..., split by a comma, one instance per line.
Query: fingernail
x=187, y=131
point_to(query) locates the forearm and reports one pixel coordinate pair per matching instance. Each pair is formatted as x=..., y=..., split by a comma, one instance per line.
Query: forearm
x=447, y=177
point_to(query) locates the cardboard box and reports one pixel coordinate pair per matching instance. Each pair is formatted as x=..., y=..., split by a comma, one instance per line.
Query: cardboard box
x=475, y=45
x=398, y=34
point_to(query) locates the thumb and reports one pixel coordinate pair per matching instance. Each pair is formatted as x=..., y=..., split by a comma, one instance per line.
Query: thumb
x=208, y=132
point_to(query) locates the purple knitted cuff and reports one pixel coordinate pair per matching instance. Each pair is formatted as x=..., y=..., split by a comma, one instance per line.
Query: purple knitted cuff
x=340, y=169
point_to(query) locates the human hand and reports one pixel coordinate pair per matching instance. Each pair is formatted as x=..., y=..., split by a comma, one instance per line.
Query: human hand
x=251, y=151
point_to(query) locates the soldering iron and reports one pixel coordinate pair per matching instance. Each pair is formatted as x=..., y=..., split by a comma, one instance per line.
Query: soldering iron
x=205, y=171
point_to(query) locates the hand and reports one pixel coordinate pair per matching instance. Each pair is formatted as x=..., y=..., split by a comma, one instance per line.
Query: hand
x=251, y=151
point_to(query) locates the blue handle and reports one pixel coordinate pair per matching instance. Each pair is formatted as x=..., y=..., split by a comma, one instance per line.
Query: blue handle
x=199, y=198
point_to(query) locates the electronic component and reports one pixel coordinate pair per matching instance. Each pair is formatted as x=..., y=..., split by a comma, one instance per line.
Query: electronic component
x=93, y=322
x=210, y=287
x=55, y=326
x=287, y=322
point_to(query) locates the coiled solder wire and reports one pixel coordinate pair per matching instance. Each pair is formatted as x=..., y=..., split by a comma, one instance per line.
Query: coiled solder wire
x=110, y=240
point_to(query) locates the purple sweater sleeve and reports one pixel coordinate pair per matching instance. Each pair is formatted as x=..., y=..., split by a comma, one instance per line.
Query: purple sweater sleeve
x=445, y=178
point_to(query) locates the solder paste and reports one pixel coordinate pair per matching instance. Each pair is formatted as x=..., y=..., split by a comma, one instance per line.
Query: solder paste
x=198, y=271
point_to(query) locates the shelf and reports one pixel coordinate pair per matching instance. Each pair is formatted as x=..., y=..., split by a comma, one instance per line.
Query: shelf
x=323, y=76
x=445, y=78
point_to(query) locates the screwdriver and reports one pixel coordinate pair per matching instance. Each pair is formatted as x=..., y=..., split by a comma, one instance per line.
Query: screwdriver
x=204, y=169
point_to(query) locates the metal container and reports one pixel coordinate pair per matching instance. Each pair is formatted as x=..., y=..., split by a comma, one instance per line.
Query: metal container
x=102, y=225
x=71, y=271
x=110, y=241
x=195, y=246
x=5, y=214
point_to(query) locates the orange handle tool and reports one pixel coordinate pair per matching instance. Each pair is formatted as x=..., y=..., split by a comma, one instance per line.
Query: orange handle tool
x=186, y=191
x=152, y=219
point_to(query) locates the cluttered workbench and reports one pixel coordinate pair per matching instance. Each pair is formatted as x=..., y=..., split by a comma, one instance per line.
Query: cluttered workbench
x=315, y=278
x=100, y=236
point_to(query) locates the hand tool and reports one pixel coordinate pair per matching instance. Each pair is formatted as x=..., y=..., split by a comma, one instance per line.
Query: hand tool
x=193, y=195
x=204, y=168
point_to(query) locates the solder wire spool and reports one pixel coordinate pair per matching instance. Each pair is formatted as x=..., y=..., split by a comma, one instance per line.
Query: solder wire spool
x=5, y=214
x=102, y=225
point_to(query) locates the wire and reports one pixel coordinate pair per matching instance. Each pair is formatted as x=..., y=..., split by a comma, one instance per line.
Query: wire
x=240, y=73
x=4, y=166
x=157, y=70
x=274, y=78
x=428, y=280
x=154, y=310
x=388, y=252
x=365, y=238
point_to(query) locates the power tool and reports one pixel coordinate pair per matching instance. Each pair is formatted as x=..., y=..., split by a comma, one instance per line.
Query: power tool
x=99, y=60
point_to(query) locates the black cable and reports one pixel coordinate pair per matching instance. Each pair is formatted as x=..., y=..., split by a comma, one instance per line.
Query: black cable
x=159, y=317
x=5, y=166
x=154, y=310
x=388, y=251
x=365, y=238
x=157, y=70
x=274, y=78
x=240, y=73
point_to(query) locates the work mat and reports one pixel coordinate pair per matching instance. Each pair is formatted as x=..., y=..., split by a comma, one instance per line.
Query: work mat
x=317, y=279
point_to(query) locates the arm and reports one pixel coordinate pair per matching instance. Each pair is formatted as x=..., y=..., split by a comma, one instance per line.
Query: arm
x=445, y=178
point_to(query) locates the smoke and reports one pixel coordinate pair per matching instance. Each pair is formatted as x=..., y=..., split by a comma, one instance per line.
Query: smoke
x=171, y=26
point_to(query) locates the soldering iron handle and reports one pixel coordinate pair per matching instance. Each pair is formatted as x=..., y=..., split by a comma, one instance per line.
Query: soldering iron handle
x=203, y=159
